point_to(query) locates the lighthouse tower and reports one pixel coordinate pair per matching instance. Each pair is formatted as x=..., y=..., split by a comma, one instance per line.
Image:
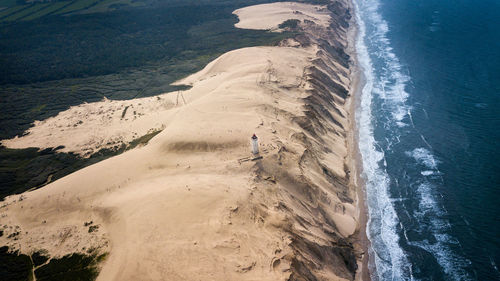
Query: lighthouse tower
x=255, y=144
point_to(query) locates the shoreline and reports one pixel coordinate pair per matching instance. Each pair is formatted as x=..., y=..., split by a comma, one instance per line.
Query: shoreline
x=356, y=163
x=360, y=187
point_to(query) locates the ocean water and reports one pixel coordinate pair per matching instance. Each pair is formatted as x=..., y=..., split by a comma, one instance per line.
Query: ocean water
x=429, y=137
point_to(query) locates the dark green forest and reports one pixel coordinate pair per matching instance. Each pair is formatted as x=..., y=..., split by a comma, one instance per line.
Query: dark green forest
x=74, y=267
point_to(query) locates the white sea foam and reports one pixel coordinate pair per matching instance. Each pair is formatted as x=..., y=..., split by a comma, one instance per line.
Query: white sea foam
x=423, y=157
x=388, y=85
x=427, y=203
x=427, y=173
x=433, y=221
x=435, y=24
x=390, y=260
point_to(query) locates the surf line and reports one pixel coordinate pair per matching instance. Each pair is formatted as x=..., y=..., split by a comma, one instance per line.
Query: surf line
x=388, y=260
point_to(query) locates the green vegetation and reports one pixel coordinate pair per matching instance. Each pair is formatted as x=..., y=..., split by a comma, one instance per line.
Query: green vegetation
x=75, y=267
x=8, y=3
x=7, y=12
x=38, y=108
x=48, y=10
x=110, y=5
x=143, y=140
x=292, y=24
x=100, y=6
x=26, y=12
x=125, y=111
x=78, y=5
x=14, y=266
x=18, y=10
x=39, y=258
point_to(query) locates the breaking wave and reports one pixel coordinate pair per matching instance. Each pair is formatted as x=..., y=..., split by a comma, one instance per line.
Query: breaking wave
x=383, y=113
x=389, y=261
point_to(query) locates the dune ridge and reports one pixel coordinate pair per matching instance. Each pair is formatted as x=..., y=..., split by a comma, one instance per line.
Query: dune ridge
x=194, y=203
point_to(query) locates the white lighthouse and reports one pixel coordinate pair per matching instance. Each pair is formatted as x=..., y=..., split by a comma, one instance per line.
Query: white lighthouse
x=255, y=144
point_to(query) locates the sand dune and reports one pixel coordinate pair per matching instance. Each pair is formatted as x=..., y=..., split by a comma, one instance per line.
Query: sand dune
x=192, y=204
x=269, y=16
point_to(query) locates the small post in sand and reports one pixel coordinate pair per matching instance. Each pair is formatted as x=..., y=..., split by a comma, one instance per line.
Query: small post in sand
x=255, y=144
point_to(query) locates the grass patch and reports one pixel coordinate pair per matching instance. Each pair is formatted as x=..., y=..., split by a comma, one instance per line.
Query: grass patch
x=38, y=108
x=7, y=12
x=109, y=5
x=125, y=111
x=14, y=266
x=141, y=141
x=75, y=267
x=291, y=24
x=8, y=3
x=48, y=10
x=77, y=5
x=25, y=12
x=39, y=258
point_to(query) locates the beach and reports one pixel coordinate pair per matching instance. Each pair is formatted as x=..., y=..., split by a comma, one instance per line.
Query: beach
x=195, y=202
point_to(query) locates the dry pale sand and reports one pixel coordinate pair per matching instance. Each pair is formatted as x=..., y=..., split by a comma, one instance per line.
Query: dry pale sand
x=192, y=205
x=269, y=16
x=89, y=127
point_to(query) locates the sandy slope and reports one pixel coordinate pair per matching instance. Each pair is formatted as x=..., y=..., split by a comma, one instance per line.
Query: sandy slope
x=192, y=205
x=89, y=127
x=269, y=16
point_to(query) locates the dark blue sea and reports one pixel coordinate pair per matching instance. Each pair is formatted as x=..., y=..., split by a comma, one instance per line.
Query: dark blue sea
x=429, y=137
